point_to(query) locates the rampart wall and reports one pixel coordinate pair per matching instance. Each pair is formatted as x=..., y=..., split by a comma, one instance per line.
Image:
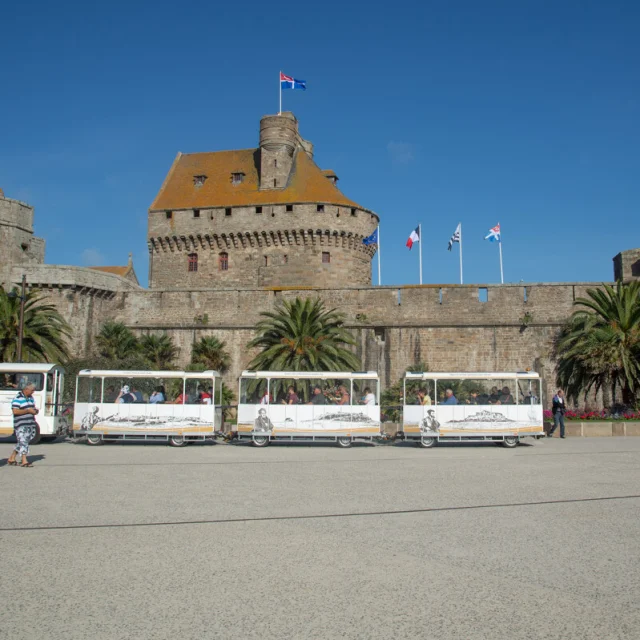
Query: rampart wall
x=448, y=328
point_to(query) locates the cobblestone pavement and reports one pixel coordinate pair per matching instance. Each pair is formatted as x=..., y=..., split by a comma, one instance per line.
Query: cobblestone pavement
x=226, y=541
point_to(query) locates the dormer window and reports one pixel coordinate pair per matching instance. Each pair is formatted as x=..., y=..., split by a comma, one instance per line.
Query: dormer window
x=198, y=181
x=237, y=178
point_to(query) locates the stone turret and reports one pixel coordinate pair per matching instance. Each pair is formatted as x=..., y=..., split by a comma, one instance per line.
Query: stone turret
x=279, y=142
x=18, y=245
x=626, y=265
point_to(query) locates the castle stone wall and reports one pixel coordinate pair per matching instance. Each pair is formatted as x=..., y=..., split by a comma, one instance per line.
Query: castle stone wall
x=448, y=328
x=287, y=250
x=18, y=244
x=626, y=265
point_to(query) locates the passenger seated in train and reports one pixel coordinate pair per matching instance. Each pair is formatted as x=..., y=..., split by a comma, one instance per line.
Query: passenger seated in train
x=343, y=395
x=137, y=395
x=370, y=399
x=424, y=398
x=473, y=397
x=291, y=397
x=125, y=396
x=157, y=397
x=110, y=394
x=318, y=396
x=506, y=397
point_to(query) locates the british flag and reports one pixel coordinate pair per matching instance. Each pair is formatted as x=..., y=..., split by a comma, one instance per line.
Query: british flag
x=287, y=82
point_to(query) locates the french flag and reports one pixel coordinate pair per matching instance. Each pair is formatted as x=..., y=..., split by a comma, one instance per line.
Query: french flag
x=287, y=82
x=414, y=237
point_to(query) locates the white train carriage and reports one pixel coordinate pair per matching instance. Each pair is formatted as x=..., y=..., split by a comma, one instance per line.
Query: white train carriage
x=288, y=406
x=173, y=406
x=472, y=407
x=49, y=386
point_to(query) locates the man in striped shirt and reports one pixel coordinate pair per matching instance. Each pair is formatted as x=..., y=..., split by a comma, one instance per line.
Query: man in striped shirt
x=24, y=411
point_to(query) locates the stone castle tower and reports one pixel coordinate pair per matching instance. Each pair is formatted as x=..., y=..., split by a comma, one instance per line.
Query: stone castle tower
x=18, y=244
x=265, y=217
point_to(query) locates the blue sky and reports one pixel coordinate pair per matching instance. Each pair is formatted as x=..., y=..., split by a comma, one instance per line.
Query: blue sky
x=525, y=113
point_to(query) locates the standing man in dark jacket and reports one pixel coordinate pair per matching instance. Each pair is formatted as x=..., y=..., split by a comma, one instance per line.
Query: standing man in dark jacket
x=558, y=409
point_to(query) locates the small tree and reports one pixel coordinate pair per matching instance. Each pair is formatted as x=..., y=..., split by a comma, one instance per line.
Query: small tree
x=211, y=353
x=159, y=351
x=301, y=335
x=392, y=398
x=45, y=332
x=599, y=347
x=116, y=342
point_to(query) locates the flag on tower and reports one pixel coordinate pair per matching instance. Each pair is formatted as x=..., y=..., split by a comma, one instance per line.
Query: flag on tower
x=372, y=239
x=414, y=237
x=287, y=82
x=455, y=237
x=494, y=234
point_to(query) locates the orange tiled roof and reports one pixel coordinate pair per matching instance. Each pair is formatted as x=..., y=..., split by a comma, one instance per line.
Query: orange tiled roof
x=307, y=183
x=119, y=271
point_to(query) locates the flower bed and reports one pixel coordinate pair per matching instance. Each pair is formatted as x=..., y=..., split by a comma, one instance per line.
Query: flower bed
x=599, y=416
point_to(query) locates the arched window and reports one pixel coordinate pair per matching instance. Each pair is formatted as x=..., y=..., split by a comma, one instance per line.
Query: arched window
x=192, y=264
x=223, y=261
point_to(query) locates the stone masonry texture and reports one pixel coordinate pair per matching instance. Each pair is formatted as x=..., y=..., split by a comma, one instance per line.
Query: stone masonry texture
x=279, y=248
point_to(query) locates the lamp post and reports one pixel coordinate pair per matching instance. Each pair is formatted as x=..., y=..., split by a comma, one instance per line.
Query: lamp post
x=22, y=297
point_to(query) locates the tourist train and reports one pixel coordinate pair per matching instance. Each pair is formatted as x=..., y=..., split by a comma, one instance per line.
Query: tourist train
x=180, y=407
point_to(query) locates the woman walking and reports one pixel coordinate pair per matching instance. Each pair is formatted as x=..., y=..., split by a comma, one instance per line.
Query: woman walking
x=24, y=411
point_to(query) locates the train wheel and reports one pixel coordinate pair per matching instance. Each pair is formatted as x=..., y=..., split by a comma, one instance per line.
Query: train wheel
x=178, y=441
x=260, y=441
x=344, y=442
x=510, y=442
x=36, y=438
x=94, y=439
x=426, y=442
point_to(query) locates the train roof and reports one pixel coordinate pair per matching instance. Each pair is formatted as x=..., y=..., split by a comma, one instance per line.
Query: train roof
x=120, y=373
x=473, y=375
x=312, y=375
x=29, y=367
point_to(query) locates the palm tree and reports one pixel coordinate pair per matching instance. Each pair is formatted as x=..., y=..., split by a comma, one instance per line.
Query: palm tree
x=158, y=350
x=301, y=335
x=116, y=342
x=45, y=332
x=599, y=348
x=210, y=352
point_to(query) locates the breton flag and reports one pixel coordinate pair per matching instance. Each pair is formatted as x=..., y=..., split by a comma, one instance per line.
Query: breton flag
x=414, y=237
x=372, y=239
x=494, y=234
x=455, y=237
x=287, y=82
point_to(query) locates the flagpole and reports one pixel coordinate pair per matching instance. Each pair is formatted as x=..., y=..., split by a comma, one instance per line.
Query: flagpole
x=280, y=91
x=420, y=249
x=379, y=280
x=501, y=271
x=460, y=253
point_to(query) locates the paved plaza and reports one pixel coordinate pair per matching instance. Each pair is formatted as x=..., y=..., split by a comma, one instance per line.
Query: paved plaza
x=229, y=541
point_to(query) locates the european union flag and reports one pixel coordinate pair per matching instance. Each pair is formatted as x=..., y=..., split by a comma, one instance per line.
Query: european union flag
x=372, y=239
